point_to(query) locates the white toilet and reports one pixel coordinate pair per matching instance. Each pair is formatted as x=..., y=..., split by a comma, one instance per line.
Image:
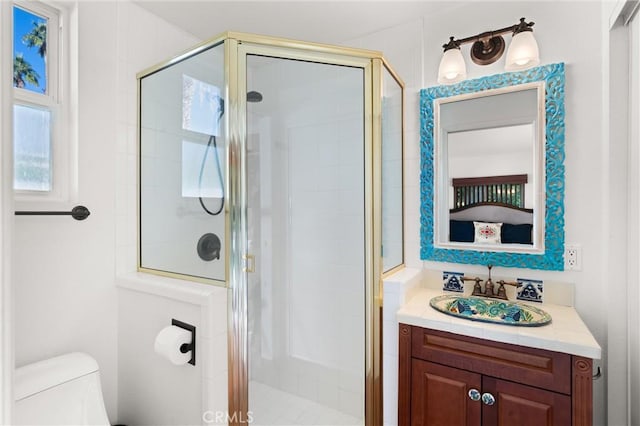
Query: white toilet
x=64, y=390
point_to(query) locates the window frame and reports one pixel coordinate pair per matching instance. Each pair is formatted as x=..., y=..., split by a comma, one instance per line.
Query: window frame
x=54, y=100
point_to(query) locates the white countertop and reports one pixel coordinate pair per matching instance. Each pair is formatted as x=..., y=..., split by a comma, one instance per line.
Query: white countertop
x=566, y=333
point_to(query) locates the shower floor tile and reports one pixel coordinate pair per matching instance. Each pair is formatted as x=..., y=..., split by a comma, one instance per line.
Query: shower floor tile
x=273, y=407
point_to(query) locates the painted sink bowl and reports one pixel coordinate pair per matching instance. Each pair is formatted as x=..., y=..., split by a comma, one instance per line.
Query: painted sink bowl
x=490, y=310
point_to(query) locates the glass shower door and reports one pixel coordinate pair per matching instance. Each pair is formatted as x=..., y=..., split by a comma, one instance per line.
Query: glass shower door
x=305, y=192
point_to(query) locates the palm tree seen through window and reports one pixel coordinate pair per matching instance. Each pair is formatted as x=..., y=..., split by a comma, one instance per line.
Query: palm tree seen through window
x=29, y=51
x=32, y=115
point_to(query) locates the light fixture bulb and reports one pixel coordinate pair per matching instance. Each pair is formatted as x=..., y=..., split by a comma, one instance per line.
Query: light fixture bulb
x=523, y=52
x=452, y=67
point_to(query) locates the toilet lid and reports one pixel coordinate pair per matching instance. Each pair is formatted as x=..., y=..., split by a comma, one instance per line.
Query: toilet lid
x=39, y=376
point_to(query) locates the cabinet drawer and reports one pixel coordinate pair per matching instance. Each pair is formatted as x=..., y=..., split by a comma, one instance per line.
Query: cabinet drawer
x=534, y=367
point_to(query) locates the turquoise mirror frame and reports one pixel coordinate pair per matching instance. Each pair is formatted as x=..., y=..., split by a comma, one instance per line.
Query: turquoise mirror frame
x=553, y=257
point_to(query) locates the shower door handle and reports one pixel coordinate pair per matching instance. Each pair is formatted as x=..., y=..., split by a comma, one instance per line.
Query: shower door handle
x=249, y=263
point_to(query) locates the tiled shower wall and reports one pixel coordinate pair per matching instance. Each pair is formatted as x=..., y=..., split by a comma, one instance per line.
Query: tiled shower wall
x=392, y=196
x=150, y=389
x=172, y=218
x=306, y=156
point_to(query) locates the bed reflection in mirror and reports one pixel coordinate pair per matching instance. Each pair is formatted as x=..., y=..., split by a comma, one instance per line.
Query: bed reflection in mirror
x=489, y=175
x=491, y=202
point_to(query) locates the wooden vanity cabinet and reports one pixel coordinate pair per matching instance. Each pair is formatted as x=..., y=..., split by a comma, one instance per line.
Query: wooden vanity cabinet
x=515, y=385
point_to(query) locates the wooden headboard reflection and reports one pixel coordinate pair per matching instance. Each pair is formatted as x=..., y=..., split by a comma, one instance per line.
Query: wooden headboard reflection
x=506, y=191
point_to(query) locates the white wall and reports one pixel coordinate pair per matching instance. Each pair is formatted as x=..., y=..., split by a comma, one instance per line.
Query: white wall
x=65, y=298
x=633, y=246
x=6, y=221
x=616, y=103
x=65, y=271
x=152, y=391
x=585, y=172
x=467, y=161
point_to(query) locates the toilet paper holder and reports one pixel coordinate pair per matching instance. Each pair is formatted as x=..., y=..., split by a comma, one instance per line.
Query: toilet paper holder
x=186, y=347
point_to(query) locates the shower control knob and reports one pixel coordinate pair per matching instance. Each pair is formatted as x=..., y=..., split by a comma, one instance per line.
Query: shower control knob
x=209, y=247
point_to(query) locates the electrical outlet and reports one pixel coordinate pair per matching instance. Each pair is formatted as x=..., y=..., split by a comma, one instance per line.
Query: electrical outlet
x=573, y=257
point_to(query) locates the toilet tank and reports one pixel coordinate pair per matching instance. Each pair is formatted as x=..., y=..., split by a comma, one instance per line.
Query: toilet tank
x=64, y=390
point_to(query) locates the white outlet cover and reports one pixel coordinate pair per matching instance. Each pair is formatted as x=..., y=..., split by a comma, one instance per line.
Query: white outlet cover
x=573, y=257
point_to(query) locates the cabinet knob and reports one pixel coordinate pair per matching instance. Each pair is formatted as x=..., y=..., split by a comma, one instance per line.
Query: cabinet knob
x=488, y=399
x=474, y=394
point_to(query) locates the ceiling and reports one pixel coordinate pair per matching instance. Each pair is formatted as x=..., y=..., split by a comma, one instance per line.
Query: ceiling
x=332, y=22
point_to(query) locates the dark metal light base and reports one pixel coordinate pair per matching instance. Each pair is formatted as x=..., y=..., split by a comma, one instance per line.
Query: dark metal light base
x=488, y=51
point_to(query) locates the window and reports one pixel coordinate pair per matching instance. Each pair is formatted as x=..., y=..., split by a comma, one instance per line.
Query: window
x=40, y=157
x=202, y=109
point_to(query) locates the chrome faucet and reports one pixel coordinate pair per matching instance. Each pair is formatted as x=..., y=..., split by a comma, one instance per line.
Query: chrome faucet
x=489, y=287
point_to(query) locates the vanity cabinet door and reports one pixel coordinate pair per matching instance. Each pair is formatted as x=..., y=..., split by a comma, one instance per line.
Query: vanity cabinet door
x=521, y=405
x=528, y=386
x=440, y=395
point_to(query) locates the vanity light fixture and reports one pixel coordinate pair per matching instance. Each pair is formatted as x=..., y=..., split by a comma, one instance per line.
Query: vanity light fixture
x=487, y=48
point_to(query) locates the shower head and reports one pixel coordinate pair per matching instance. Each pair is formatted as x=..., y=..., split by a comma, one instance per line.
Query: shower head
x=254, y=96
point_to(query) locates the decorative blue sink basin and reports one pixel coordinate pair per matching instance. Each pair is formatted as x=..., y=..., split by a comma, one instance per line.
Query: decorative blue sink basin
x=490, y=310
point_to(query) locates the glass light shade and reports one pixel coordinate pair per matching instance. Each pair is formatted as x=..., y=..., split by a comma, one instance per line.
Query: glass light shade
x=523, y=52
x=452, y=67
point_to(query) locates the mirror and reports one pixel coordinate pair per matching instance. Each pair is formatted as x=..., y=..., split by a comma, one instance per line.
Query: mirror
x=488, y=179
x=492, y=173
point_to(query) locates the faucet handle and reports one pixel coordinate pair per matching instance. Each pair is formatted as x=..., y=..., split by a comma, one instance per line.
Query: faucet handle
x=511, y=283
x=478, y=280
x=502, y=293
x=477, y=289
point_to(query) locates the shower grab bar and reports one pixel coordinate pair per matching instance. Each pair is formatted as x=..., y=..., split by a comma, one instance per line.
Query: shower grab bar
x=78, y=213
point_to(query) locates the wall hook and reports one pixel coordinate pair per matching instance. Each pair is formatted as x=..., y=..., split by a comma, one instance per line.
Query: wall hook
x=598, y=374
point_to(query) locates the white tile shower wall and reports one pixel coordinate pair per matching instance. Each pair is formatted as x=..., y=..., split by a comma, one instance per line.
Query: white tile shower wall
x=392, y=240
x=403, y=47
x=334, y=272
x=142, y=41
x=172, y=223
x=306, y=153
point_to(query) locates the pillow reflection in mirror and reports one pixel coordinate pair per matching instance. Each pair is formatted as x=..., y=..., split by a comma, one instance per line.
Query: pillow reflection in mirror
x=461, y=231
x=487, y=233
x=517, y=234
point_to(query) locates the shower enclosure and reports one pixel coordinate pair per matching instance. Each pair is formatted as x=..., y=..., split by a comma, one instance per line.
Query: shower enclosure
x=269, y=166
